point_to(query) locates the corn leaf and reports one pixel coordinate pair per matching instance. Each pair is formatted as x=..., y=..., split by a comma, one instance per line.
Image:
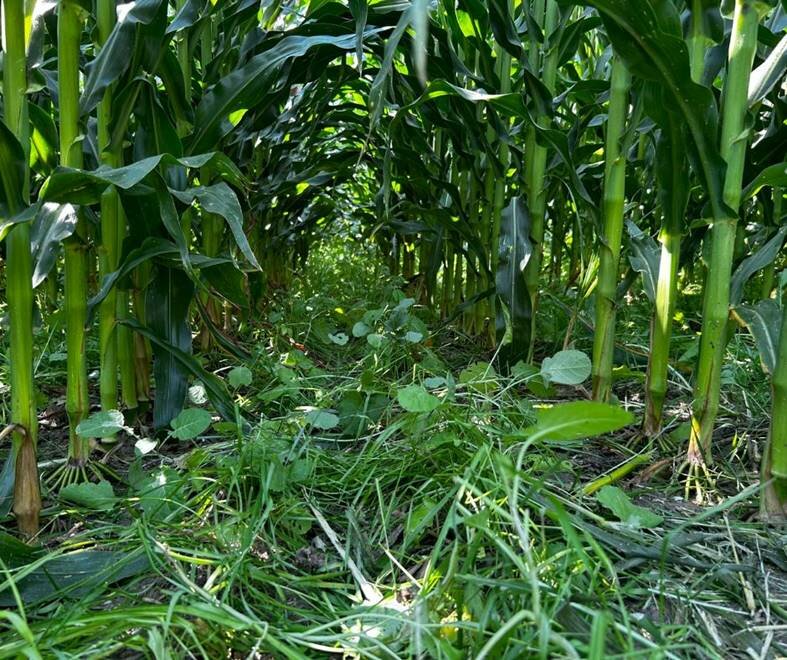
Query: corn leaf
x=167, y=309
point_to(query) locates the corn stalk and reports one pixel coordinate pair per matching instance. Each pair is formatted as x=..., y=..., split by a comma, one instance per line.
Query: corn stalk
x=774, y=460
x=547, y=14
x=27, y=498
x=75, y=247
x=610, y=243
x=734, y=138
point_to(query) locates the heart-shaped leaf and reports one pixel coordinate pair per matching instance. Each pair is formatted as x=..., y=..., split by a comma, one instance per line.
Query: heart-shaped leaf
x=566, y=368
x=414, y=398
x=190, y=423
x=102, y=424
x=239, y=377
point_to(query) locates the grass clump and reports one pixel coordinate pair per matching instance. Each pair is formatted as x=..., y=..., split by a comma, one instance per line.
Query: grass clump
x=348, y=517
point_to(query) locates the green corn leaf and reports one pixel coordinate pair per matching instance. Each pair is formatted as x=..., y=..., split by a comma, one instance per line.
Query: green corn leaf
x=150, y=249
x=227, y=281
x=572, y=35
x=170, y=219
x=187, y=16
x=672, y=172
x=175, y=87
x=222, y=200
x=644, y=257
x=12, y=177
x=513, y=105
x=7, y=478
x=86, y=187
x=765, y=77
x=360, y=12
x=515, y=250
x=72, y=575
x=764, y=321
x=155, y=132
x=52, y=225
x=503, y=27
x=115, y=55
x=229, y=346
x=214, y=387
x=754, y=263
x=43, y=140
x=774, y=176
x=247, y=85
x=167, y=310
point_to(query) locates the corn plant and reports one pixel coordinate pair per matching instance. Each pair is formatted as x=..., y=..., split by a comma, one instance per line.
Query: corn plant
x=192, y=155
x=717, y=297
x=75, y=247
x=774, y=463
x=615, y=157
x=15, y=185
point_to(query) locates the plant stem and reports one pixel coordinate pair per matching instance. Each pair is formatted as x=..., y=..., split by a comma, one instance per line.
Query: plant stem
x=69, y=29
x=536, y=157
x=448, y=279
x=661, y=328
x=697, y=41
x=743, y=44
x=19, y=289
x=614, y=200
x=774, y=460
x=676, y=197
x=769, y=273
x=124, y=335
x=143, y=354
x=116, y=341
x=470, y=275
x=485, y=231
x=499, y=196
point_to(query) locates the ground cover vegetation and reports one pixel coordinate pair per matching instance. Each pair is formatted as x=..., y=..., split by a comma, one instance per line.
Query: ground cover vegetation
x=393, y=329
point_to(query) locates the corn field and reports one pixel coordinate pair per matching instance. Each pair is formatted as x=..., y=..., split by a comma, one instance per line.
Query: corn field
x=336, y=326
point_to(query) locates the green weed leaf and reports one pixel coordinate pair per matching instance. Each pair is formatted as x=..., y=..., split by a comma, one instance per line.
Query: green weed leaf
x=322, y=419
x=576, y=420
x=101, y=424
x=190, y=423
x=374, y=340
x=100, y=496
x=360, y=329
x=239, y=377
x=145, y=445
x=566, y=368
x=339, y=338
x=480, y=377
x=630, y=514
x=414, y=398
